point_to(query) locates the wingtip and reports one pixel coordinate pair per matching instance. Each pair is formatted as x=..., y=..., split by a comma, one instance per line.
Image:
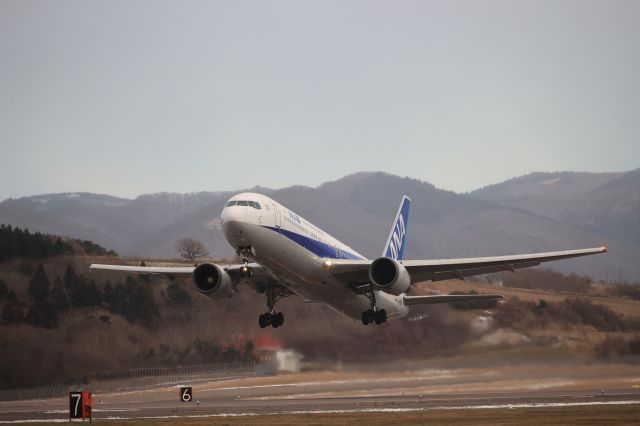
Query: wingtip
x=603, y=249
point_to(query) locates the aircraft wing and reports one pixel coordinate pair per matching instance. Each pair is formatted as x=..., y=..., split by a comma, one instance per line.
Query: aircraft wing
x=232, y=270
x=356, y=272
x=146, y=269
x=259, y=278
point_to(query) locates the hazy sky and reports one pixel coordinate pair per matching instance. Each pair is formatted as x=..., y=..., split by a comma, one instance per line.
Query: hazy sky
x=129, y=97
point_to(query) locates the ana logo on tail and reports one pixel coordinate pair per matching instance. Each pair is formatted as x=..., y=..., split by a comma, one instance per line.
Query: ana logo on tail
x=398, y=235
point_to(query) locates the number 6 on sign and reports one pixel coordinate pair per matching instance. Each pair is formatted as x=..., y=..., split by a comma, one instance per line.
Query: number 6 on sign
x=186, y=394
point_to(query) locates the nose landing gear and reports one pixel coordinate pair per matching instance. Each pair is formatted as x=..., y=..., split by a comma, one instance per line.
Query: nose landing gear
x=244, y=252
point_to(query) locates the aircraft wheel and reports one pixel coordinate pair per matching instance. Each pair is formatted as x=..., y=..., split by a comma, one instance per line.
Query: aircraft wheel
x=264, y=320
x=368, y=317
x=380, y=316
x=277, y=319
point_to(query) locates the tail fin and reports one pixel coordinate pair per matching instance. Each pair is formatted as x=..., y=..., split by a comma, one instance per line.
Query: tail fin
x=398, y=235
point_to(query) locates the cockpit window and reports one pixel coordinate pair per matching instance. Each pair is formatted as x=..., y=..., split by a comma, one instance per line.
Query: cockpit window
x=254, y=204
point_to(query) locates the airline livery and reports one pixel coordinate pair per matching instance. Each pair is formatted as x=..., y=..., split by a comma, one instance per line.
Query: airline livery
x=283, y=254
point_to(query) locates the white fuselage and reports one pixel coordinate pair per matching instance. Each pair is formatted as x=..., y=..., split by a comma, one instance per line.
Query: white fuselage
x=295, y=252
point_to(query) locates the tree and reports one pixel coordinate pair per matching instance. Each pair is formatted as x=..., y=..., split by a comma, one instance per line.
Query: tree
x=191, y=249
x=177, y=295
x=38, y=289
x=70, y=278
x=93, y=297
x=81, y=294
x=134, y=301
x=15, y=242
x=109, y=295
x=41, y=314
x=59, y=300
x=11, y=314
x=12, y=298
x=4, y=290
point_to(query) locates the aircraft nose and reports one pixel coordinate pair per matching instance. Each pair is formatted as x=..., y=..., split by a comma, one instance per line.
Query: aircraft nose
x=232, y=214
x=232, y=219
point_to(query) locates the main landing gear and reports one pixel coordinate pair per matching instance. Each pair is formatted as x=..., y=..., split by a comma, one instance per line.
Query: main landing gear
x=373, y=314
x=272, y=318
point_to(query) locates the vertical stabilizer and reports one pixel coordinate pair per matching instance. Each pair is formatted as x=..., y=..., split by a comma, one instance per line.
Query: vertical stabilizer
x=398, y=235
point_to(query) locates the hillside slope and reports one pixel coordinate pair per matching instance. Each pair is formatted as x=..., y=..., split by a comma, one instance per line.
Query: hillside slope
x=607, y=204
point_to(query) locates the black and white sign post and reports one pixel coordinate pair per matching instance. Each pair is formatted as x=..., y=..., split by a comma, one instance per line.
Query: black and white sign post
x=186, y=394
x=80, y=405
x=75, y=405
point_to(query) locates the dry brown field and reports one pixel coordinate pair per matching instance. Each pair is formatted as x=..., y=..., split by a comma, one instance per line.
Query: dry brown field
x=623, y=306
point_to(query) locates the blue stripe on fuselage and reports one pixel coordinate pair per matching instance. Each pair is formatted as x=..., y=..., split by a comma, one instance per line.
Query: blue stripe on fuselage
x=318, y=248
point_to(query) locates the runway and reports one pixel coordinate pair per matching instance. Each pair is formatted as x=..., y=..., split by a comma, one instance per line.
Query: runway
x=337, y=392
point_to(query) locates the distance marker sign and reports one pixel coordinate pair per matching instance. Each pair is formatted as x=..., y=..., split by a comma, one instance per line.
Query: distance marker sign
x=186, y=394
x=79, y=405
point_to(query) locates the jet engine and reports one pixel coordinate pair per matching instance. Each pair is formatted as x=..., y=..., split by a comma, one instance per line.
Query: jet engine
x=389, y=275
x=212, y=280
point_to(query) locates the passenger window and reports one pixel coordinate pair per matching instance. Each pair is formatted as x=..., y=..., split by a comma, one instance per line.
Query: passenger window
x=230, y=203
x=257, y=204
x=243, y=203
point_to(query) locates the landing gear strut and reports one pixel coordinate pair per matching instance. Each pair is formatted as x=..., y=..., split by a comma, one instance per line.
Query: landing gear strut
x=373, y=314
x=273, y=318
x=244, y=252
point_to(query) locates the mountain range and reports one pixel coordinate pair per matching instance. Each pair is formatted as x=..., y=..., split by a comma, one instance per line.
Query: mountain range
x=536, y=212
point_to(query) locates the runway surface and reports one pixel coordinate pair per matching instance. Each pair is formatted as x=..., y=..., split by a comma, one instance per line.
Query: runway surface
x=347, y=392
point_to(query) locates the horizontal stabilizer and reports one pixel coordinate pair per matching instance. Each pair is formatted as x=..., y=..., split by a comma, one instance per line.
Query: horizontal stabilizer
x=448, y=298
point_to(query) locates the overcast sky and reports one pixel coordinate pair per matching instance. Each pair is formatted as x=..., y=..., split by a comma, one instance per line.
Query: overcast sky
x=130, y=97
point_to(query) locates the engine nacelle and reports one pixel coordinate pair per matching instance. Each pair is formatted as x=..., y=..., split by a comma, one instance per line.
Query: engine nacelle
x=212, y=280
x=389, y=276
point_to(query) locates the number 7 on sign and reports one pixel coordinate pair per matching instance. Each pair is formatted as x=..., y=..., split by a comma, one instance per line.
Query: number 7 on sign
x=75, y=405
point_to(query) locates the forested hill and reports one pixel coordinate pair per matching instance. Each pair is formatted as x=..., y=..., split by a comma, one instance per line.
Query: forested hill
x=59, y=320
x=17, y=242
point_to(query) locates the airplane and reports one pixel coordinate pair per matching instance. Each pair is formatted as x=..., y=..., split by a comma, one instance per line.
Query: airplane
x=282, y=254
